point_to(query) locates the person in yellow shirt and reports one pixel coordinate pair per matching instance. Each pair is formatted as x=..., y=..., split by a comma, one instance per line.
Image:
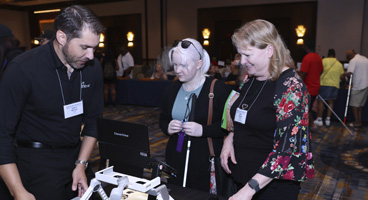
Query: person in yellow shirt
x=330, y=84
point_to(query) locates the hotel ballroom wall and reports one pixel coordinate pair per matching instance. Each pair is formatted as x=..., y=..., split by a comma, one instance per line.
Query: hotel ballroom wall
x=340, y=24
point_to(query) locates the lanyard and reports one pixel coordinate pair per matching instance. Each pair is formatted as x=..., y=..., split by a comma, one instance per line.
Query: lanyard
x=243, y=81
x=247, y=93
x=61, y=87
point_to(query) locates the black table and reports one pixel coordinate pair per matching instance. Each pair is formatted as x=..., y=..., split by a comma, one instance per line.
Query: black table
x=145, y=93
x=181, y=193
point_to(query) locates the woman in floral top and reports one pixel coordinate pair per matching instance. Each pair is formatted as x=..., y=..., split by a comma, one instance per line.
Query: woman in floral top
x=268, y=151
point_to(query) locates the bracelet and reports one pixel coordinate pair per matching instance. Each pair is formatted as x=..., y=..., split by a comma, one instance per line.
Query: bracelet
x=85, y=163
x=254, y=184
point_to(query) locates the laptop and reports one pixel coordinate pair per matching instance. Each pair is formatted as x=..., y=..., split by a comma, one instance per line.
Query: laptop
x=125, y=144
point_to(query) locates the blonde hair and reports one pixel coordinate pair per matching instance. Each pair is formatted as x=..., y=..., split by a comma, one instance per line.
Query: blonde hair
x=261, y=33
x=192, y=53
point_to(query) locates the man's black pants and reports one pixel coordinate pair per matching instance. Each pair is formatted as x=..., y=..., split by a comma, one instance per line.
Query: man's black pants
x=46, y=173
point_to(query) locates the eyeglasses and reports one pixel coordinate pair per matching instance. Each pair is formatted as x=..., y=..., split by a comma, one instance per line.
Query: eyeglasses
x=185, y=44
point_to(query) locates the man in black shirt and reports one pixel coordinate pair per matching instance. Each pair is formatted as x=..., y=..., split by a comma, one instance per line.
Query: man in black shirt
x=46, y=96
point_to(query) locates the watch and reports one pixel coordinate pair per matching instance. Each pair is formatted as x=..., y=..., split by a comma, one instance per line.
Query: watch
x=85, y=163
x=254, y=184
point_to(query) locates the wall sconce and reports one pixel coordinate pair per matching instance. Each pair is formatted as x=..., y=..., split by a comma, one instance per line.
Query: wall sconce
x=102, y=40
x=102, y=37
x=300, y=31
x=206, y=35
x=130, y=37
x=300, y=41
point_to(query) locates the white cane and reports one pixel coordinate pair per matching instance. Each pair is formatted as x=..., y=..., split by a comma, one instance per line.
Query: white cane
x=186, y=164
x=347, y=100
x=191, y=118
x=319, y=96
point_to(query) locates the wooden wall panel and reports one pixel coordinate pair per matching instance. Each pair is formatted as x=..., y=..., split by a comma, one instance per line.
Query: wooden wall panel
x=285, y=16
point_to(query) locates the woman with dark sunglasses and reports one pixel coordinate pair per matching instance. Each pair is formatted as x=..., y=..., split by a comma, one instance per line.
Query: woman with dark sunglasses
x=180, y=120
x=268, y=149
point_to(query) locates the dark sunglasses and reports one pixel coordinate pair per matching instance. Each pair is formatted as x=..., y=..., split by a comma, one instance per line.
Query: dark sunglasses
x=185, y=44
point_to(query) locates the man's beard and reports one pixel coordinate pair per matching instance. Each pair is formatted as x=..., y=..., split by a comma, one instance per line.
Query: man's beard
x=69, y=58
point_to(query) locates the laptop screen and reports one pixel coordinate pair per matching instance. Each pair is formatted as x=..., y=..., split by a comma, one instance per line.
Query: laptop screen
x=123, y=143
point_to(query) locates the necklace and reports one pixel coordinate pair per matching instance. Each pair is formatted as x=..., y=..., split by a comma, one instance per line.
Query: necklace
x=245, y=106
x=187, y=94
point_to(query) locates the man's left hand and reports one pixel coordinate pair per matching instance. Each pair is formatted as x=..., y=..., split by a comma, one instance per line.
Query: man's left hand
x=79, y=180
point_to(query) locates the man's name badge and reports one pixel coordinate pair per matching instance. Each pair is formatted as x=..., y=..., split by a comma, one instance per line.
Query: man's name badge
x=241, y=115
x=73, y=109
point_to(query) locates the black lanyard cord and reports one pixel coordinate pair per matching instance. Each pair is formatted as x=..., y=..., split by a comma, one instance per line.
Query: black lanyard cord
x=61, y=87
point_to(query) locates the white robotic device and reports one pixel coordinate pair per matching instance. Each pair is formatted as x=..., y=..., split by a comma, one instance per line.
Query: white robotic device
x=124, y=181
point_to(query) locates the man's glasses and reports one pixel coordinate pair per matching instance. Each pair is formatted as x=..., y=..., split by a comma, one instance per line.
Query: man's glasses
x=185, y=44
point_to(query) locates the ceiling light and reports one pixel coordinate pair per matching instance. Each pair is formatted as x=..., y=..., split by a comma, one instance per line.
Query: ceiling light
x=46, y=11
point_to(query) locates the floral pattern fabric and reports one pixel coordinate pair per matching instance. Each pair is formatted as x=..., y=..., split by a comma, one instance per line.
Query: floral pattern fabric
x=291, y=158
x=213, y=187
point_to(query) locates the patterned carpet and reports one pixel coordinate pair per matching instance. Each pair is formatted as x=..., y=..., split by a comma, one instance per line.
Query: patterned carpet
x=341, y=156
x=341, y=162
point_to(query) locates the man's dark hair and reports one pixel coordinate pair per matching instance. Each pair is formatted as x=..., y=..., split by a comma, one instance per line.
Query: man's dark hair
x=123, y=50
x=310, y=45
x=331, y=53
x=73, y=19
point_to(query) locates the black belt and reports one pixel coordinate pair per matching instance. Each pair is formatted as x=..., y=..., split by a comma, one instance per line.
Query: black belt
x=39, y=145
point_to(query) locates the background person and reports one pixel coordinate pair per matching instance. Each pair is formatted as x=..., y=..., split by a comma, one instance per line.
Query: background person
x=358, y=66
x=237, y=71
x=191, y=62
x=46, y=95
x=159, y=73
x=213, y=72
x=332, y=73
x=269, y=148
x=234, y=71
x=109, y=67
x=46, y=36
x=125, y=62
x=310, y=72
x=9, y=47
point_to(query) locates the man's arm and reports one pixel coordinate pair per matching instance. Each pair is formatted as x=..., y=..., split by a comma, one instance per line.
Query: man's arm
x=302, y=75
x=129, y=61
x=9, y=173
x=88, y=144
x=79, y=175
x=13, y=95
x=127, y=71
